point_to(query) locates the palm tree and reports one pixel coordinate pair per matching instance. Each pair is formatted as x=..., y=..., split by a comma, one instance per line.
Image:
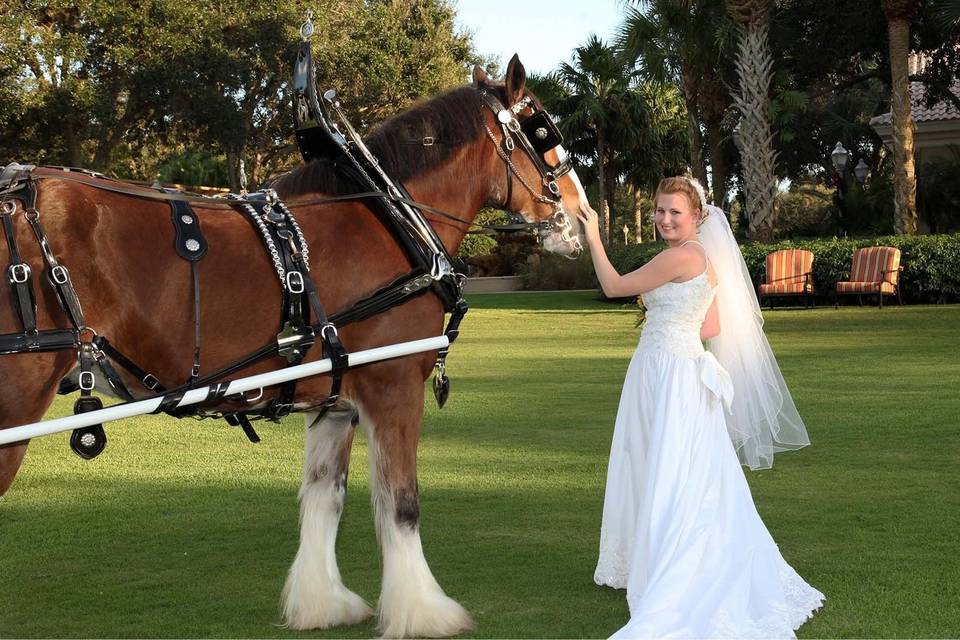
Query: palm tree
x=599, y=103
x=898, y=14
x=683, y=41
x=755, y=70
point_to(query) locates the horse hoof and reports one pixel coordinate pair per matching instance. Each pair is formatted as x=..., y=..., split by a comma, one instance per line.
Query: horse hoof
x=340, y=607
x=434, y=616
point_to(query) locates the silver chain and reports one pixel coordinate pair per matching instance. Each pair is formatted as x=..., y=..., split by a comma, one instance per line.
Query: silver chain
x=268, y=240
x=300, y=237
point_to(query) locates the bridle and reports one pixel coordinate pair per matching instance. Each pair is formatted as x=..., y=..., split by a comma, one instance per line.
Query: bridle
x=536, y=134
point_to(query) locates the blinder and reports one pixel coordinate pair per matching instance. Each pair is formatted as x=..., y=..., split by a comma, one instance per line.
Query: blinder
x=542, y=132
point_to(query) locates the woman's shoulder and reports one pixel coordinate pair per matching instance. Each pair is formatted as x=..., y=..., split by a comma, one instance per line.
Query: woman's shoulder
x=687, y=260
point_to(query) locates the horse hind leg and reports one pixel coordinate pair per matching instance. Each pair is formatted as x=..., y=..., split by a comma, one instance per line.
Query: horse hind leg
x=314, y=595
x=412, y=604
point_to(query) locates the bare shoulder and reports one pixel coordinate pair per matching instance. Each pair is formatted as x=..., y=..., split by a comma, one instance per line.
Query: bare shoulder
x=688, y=261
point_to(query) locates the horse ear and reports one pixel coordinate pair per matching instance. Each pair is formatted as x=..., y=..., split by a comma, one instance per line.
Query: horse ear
x=515, y=81
x=479, y=76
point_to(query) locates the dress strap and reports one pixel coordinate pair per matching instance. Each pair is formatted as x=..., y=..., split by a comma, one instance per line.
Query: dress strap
x=705, y=256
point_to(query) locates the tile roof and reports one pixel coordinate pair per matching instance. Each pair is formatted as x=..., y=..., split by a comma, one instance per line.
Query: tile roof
x=942, y=110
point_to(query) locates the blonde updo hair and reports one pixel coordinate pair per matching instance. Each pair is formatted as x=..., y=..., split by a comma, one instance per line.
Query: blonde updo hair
x=689, y=187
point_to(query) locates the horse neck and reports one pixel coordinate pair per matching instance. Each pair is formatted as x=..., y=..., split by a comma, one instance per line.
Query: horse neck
x=459, y=186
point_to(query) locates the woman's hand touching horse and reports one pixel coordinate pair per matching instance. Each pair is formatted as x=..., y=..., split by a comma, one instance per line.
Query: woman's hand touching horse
x=590, y=221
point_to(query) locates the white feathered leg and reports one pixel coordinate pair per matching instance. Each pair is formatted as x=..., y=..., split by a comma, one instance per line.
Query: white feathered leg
x=412, y=604
x=314, y=596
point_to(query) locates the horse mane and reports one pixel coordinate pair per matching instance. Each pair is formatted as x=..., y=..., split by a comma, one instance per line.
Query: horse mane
x=452, y=119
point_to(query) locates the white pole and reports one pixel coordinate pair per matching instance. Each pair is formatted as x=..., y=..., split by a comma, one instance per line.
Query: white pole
x=195, y=396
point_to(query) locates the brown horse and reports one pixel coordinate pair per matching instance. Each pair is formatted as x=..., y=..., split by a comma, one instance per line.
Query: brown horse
x=136, y=291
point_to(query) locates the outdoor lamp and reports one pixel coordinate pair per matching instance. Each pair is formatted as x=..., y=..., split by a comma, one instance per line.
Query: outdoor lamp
x=839, y=157
x=860, y=171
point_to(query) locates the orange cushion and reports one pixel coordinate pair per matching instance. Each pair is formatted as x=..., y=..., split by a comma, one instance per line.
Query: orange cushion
x=863, y=287
x=783, y=287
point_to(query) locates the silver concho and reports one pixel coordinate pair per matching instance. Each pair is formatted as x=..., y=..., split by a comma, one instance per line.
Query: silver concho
x=504, y=116
x=541, y=133
x=186, y=219
x=192, y=245
x=87, y=440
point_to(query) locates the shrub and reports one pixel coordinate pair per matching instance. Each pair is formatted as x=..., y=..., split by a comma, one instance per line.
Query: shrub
x=548, y=271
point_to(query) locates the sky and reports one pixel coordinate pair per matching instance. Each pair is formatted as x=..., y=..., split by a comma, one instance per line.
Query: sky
x=543, y=33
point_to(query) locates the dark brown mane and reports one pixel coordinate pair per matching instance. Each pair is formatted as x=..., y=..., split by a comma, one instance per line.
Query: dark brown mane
x=452, y=119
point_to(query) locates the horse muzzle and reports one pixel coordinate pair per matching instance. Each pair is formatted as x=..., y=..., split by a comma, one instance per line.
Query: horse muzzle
x=556, y=233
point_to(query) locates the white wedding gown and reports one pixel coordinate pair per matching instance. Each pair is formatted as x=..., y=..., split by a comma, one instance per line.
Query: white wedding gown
x=680, y=531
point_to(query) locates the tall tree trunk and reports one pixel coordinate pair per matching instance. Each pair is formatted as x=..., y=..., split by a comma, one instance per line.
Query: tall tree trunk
x=718, y=163
x=233, y=169
x=613, y=220
x=602, y=186
x=697, y=165
x=904, y=178
x=755, y=69
x=638, y=214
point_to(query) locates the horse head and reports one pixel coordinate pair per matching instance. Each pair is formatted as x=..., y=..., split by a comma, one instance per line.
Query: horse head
x=538, y=182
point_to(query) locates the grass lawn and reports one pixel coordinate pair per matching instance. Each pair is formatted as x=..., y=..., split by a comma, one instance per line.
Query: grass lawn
x=182, y=528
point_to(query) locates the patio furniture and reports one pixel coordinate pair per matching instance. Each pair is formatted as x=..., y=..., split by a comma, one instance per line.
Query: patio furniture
x=875, y=270
x=789, y=273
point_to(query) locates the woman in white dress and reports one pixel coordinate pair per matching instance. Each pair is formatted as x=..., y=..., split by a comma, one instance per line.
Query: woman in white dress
x=680, y=531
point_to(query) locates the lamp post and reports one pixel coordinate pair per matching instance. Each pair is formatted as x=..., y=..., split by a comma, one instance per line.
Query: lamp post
x=839, y=157
x=861, y=171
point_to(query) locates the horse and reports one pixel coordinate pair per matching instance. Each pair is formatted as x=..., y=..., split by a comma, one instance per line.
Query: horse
x=136, y=290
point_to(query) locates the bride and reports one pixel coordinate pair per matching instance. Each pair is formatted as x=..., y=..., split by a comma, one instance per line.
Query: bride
x=680, y=531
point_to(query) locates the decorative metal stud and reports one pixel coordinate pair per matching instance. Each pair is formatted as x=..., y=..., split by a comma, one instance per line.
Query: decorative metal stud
x=541, y=133
x=186, y=219
x=504, y=116
x=192, y=245
x=87, y=440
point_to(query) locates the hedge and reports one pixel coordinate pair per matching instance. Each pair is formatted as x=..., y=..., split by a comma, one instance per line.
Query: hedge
x=931, y=263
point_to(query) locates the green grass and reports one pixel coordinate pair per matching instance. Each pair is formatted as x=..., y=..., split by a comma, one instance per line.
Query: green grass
x=182, y=528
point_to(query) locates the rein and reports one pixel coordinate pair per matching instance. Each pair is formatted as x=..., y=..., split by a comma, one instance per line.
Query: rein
x=216, y=202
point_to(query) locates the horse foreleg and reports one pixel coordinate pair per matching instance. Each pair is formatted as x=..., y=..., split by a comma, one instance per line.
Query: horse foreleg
x=314, y=595
x=10, y=458
x=411, y=601
x=29, y=386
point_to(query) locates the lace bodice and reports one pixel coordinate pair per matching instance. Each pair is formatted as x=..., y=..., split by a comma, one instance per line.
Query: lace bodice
x=674, y=315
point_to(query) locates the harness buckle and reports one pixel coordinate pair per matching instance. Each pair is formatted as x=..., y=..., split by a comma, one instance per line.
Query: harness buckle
x=508, y=143
x=87, y=381
x=8, y=208
x=553, y=187
x=60, y=275
x=150, y=381
x=19, y=273
x=295, y=282
x=428, y=141
x=332, y=327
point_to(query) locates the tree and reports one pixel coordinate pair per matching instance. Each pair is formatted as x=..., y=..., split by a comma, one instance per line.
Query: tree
x=755, y=70
x=95, y=80
x=898, y=14
x=83, y=81
x=599, y=100
x=685, y=42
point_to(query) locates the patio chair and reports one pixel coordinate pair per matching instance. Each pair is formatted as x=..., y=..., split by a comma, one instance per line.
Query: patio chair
x=789, y=273
x=875, y=270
